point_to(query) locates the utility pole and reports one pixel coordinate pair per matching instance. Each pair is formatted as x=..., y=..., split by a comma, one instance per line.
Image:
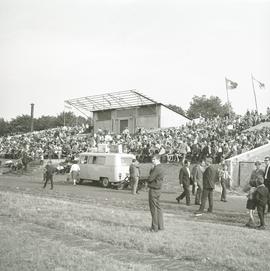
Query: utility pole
x=32, y=117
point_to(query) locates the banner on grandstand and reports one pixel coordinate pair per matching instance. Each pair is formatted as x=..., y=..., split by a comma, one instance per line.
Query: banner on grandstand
x=230, y=84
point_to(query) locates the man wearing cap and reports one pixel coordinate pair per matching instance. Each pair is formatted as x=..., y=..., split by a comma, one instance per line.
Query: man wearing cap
x=155, y=181
x=210, y=177
x=267, y=177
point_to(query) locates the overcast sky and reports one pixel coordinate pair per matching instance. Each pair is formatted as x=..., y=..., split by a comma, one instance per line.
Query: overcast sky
x=55, y=50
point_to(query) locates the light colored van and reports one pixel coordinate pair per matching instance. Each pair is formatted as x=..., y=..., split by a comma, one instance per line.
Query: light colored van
x=106, y=168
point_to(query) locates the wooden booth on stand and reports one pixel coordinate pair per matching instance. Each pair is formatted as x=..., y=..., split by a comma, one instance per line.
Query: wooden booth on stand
x=129, y=110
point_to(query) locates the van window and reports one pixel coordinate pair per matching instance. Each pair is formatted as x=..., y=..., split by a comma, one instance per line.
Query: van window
x=83, y=159
x=99, y=160
x=126, y=161
x=90, y=160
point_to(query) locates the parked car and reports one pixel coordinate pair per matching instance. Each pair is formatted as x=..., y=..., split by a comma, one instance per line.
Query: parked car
x=105, y=168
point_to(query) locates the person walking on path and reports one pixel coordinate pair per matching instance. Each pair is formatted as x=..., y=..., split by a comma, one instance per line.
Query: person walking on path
x=184, y=180
x=209, y=179
x=48, y=174
x=75, y=173
x=155, y=181
x=134, y=174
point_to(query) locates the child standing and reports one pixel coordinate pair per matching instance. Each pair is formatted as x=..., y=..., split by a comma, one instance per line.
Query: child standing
x=251, y=204
x=261, y=198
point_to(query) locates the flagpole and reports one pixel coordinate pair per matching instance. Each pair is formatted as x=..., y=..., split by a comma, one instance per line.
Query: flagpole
x=255, y=98
x=228, y=102
x=64, y=115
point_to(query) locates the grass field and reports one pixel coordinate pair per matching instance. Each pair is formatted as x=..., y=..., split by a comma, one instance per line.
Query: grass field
x=44, y=233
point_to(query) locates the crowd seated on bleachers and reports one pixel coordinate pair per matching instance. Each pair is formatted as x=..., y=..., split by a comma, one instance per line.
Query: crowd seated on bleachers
x=217, y=138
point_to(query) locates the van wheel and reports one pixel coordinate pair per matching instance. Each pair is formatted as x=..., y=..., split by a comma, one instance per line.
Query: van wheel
x=105, y=182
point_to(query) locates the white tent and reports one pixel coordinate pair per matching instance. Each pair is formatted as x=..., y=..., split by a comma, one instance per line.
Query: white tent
x=242, y=165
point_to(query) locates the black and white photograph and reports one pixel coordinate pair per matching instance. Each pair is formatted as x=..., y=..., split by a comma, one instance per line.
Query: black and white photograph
x=134, y=135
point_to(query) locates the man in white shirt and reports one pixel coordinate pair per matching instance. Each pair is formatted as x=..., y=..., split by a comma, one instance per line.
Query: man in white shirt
x=75, y=173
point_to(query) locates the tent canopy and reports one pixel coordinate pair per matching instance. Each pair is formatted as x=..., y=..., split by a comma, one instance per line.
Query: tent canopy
x=113, y=100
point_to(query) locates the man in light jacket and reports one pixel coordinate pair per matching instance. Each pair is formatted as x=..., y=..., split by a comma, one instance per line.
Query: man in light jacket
x=134, y=174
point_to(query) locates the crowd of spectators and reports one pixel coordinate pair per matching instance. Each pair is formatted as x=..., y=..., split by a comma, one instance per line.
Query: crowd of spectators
x=217, y=138
x=51, y=143
x=253, y=118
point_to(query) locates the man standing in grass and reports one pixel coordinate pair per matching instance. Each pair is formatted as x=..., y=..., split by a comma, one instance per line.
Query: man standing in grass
x=155, y=183
x=209, y=178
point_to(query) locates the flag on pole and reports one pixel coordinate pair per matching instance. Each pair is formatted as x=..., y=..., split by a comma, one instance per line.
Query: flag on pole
x=67, y=107
x=261, y=85
x=230, y=84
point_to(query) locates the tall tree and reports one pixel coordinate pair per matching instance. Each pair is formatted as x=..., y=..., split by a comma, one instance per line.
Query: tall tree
x=4, y=127
x=20, y=124
x=208, y=107
x=45, y=122
x=66, y=118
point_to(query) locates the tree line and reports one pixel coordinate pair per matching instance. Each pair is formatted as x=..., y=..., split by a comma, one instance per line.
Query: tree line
x=22, y=123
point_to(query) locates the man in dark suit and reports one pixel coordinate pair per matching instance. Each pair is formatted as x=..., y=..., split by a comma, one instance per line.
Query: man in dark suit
x=48, y=174
x=155, y=181
x=210, y=177
x=267, y=177
x=184, y=180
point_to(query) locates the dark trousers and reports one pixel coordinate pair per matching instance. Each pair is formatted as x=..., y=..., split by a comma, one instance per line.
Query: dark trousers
x=224, y=191
x=48, y=178
x=268, y=201
x=207, y=193
x=155, y=209
x=261, y=210
x=186, y=194
x=193, y=189
x=198, y=196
